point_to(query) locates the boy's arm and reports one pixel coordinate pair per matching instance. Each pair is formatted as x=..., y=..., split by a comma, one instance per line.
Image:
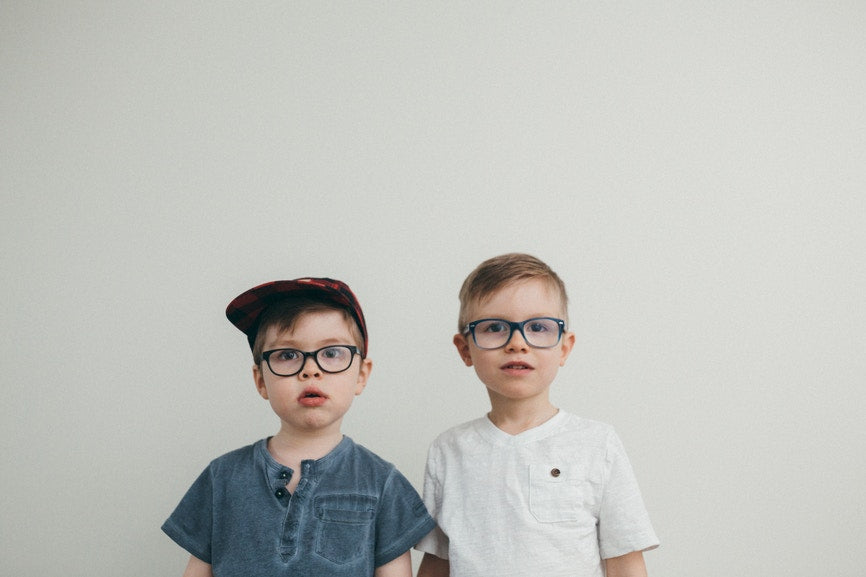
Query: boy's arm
x=433, y=566
x=628, y=565
x=399, y=567
x=197, y=568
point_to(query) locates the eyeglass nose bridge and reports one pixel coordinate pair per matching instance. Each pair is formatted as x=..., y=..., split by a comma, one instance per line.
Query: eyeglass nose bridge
x=311, y=355
x=516, y=328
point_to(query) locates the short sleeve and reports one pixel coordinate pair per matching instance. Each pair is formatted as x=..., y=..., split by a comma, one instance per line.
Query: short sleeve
x=624, y=525
x=190, y=525
x=435, y=542
x=402, y=519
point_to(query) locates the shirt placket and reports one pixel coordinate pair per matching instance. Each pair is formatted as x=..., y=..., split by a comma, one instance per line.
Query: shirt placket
x=295, y=511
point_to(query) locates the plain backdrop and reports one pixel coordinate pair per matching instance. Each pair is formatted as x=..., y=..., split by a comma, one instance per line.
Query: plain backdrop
x=695, y=171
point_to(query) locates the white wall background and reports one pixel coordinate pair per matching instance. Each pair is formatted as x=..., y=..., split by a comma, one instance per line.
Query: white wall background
x=694, y=170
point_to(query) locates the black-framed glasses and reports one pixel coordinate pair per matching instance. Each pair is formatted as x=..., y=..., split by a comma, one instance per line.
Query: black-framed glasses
x=538, y=332
x=289, y=362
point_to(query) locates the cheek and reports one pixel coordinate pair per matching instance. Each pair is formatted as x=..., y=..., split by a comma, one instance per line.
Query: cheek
x=485, y=371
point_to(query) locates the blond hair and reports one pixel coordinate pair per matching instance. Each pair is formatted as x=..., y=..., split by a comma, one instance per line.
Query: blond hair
x=501, y=271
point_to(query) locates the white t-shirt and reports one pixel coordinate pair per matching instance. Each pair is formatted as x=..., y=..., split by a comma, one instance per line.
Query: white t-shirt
x=552, y=501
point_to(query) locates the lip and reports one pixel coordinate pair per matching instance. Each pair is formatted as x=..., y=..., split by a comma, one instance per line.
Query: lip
x=312, y=397
x=516, y=367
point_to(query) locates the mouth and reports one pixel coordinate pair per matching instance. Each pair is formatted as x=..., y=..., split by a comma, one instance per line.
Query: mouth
x=516, y=366
x=312, y=397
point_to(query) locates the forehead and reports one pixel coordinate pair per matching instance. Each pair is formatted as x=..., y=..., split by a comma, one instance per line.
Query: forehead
x=519, y=301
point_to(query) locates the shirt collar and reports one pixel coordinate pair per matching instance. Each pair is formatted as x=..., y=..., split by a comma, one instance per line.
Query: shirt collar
x=277, y=474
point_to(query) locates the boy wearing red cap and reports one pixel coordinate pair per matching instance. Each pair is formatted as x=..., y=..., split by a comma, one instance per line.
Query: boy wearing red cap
x=307, y=501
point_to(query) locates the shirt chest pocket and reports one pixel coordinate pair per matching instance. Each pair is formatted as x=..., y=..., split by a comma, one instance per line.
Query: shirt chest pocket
x=345, y=527
x=558, y=495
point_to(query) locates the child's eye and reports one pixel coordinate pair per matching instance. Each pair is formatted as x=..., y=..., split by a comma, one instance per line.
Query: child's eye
x=538, y=327
x=333, y=352
x=494, y=327
x=288, y=355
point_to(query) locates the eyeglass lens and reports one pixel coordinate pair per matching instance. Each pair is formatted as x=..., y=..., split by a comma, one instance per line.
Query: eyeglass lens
x=289, y=362
x=540, y=332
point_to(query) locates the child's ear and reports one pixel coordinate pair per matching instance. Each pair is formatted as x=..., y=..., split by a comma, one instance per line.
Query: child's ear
x=462, y=345
x=260, y=381
x=565, y=347
x=363, y=375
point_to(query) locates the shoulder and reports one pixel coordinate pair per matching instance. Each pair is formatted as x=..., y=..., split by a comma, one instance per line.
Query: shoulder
x=469, y=438
x=235, y=468
x=587, y=428
x=361, y=456
x=372, y=471
x=464, y=432
x=600, y=437
x=585, y=435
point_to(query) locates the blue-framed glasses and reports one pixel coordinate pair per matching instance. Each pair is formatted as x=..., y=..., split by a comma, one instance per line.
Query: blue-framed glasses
x=538, y=332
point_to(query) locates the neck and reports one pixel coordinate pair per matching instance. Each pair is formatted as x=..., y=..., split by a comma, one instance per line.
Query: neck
x=292, y=447
x=515, y=419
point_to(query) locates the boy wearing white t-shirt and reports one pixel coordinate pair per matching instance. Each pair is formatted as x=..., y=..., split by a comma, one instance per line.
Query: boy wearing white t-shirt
x=528, y=489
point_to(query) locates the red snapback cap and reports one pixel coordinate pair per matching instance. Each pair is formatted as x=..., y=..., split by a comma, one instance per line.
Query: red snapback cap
x=246, y=309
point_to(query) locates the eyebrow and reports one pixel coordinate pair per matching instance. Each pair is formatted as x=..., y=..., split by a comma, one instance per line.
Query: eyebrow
x=282, y=343
x=506, y=318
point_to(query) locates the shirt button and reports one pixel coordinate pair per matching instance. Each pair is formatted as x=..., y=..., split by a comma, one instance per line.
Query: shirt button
x=284, y=475
x=280, y=493
x=555, y=472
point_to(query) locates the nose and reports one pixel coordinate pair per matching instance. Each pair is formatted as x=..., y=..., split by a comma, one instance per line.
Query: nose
x=516, y=342
x=310, y=368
